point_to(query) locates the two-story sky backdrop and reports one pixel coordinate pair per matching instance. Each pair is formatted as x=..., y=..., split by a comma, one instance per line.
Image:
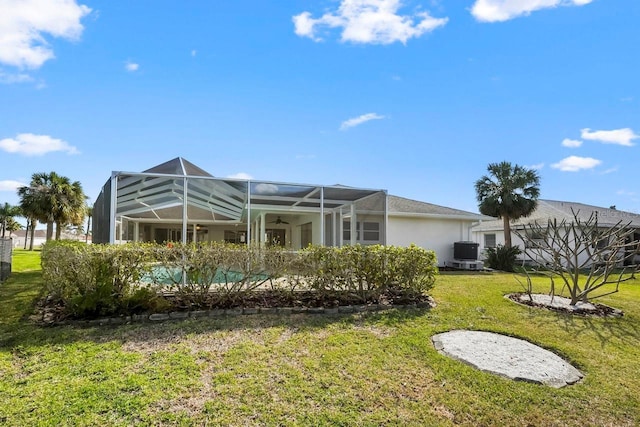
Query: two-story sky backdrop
x=413, y=96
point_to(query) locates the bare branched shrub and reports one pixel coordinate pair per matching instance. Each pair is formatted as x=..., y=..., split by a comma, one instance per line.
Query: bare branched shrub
x=585, y=255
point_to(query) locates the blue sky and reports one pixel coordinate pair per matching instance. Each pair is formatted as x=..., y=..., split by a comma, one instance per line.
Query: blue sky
x=415, y=97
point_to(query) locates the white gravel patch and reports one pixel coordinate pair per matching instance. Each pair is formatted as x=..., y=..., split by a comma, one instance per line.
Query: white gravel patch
x=558, y=302
x=510, y=357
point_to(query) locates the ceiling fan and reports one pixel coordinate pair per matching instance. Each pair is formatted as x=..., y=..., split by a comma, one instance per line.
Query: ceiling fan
x=278, y=221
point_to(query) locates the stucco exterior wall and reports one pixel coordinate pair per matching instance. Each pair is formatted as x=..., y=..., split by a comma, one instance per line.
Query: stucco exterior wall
x=429, y=233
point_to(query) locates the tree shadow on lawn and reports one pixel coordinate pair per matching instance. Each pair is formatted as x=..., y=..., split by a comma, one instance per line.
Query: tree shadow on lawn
x=26, y=333
x=625, y=329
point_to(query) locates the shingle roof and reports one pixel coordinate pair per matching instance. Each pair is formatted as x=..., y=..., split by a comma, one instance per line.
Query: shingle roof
x=402, y=206
x=560, y=210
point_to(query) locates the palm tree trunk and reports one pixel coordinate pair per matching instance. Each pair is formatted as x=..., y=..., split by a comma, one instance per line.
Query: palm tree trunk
x=58, y=230
x=32, y=232
x=49, y=230
x=26, y=234
x=507, y=231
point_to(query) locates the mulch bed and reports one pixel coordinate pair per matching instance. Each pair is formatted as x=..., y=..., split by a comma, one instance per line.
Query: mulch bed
x=600, y=310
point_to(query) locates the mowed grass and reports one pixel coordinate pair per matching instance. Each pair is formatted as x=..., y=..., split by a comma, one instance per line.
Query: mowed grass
x=361, y=369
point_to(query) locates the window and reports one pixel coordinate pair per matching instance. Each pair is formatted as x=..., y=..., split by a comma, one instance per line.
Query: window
x=371, y=231
x=489, y=240
x=366, y=232
x=534, y=239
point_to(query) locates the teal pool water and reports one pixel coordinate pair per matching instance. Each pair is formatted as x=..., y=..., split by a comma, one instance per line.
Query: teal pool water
x=170, y=276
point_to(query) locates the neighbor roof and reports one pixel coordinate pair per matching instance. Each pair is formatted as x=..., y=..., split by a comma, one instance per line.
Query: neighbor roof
x=560, y=210
x=400, y=206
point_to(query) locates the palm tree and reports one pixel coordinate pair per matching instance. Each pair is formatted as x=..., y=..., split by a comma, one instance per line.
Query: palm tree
x=69, y=204
x=7, y=212
x=53, y=199
x=89, y=214
x=509, y=192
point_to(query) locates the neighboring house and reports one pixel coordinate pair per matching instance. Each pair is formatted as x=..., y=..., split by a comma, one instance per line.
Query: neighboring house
x=178, y=201
x=489, y=234
x=430, y=226
x=39, y=238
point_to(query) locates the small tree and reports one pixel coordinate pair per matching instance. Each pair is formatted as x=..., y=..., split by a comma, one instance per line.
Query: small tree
x=583, y=254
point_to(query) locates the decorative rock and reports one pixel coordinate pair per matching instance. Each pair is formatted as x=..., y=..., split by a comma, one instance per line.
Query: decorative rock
x=216, y=312
x=116, y=320
x=507, y=356
x=198, y=313
x=249, y=310
x=372, y=307
x=268, y=310
x=331, y=310
x=179, y=314
x=158, y=317
x=285, y=310
x=346, y=309
x=233, y=311
x=359, y=308
x=315, y=310
x=139, y=317
x=300, y=310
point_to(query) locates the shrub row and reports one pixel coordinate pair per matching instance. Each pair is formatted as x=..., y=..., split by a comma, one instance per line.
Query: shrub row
x=103, y=280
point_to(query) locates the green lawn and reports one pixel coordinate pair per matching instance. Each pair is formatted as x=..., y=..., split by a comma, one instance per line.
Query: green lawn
x=362, y=369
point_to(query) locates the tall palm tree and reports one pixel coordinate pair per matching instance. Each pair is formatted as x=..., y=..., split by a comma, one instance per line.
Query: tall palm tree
x=53, y=199
x=509, y=192
x=69, y=204
x=7, y=212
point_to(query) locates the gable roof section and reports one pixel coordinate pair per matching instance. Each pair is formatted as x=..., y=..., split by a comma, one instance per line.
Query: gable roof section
x=561, y=210
x=400, y=206
x=178, y=166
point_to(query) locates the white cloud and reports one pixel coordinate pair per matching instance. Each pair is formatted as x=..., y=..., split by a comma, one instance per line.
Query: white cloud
x=625, y=193
x=369, y=21
x=571, y=143
x=14, y=78
x=617, y=136
x=504, y=10
x=575, y=163
x=24, y=24
x=194, y=52
x=267, y=189
x=29, y=144
x=240, y=175
x=131, y=66
x=356, y=121
x=537, y=166
x=10, y=185
x=610, y=170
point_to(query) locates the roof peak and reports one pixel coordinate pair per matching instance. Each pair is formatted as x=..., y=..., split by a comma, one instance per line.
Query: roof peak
x=178, y=166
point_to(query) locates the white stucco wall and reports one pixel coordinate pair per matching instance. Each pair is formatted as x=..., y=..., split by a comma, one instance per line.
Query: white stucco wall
x=429, y=233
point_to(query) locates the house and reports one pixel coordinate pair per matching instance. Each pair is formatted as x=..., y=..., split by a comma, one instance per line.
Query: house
x=178, y=201
x=489, y=234
x=20, y=236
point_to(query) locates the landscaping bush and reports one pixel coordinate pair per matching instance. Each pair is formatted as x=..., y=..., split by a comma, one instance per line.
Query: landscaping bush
x=502, y=257
x=103, y=280
x=95, y=280
x=368, y=272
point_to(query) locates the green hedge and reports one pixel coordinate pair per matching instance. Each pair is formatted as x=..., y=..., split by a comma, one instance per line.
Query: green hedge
x=101, y=280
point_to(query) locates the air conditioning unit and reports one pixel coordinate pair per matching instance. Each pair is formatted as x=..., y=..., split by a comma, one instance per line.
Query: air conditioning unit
x=465, y=256
x=467, y=265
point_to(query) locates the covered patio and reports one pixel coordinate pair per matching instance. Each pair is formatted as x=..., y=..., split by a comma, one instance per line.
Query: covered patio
x=179, y=202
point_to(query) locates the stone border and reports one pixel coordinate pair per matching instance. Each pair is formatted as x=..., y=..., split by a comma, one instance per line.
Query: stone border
x=230, y=312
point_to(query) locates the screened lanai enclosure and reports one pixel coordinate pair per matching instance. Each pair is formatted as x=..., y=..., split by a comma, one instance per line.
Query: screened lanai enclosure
x=180, y=202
